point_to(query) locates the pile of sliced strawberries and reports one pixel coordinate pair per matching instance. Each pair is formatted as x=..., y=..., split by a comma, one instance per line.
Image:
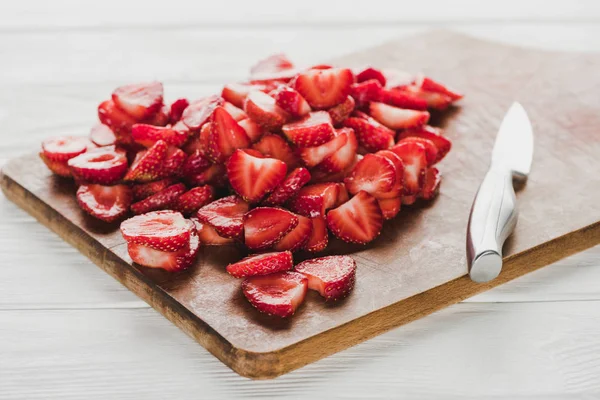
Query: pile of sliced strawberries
x=275, y=164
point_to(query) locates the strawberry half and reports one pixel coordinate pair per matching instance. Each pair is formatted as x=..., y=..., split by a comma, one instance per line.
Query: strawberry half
x=402, y=99
x=373, y=174
x=371, y=135
x=396, y=78
x=397, y=118
x=437, y=101
x=172, y=261
x=370, y=74
x=104, y=165
x=431, y=187
x=274, y=63
x=116, y=119
x=315, y=200
x=289, y=187
x=107, y=203
x=429, y=85
x=176, y=110
x=265, y=226
x=102, y=135
x=333, y=276
x=390, y=207
x=148, y=135
x=226, y=215
x=319, y=236
x=161, y=230
x=324, y=88
x=60, y=168
x=253, y=130
x=209, y=236
x=290, y=101
x=236, y=113
x=442, y=143
x=226, y=136
x=315, y=155
x=261, y=264
x=397, y=189
x=365, y=92
x=344, y=157
x=358, y=220
x=253, y=177
x=264, y=111
x=141, y=100
x=278, y=294
x=64, y=148
x=148, y=164
x=342, y=111
x=313, y=130
x=414, y=158
x=236, y=93
x=297, y=238
x=165, y=199
x=275, y=146
x=142, y=190
x=199, y=111
x=192, y=200
x=430, y=148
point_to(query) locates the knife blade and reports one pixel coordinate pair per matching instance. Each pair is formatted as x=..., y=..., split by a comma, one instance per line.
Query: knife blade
x=494, y=211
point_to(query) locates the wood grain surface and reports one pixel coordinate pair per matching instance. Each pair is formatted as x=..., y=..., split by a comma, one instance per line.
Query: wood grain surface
x=420, y=250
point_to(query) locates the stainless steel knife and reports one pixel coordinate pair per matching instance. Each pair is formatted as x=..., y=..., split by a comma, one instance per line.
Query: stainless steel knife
x=494, y=212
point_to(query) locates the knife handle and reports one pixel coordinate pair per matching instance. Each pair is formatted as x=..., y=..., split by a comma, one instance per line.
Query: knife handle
x=493, y=218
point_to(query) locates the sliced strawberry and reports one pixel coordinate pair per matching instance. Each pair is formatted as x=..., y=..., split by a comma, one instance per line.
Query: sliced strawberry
x=102, y=135
x=409, y=200
x=313, y=130
x=365, y=92
x=397, y=190
x=390, y=207
x=431, y=150
x=289, y=187
x=437, y=101
x=369, y=74
x=277, y=294
x=116, y=119
x=148, y=164
x=192, y=200
x=265, y=226
x=60, y=168
x=442, y=143
x=315, y=155
x=315, y=200
x=297, y=238
x=107, y=203
x=202, y=141
x=344, y=157
x=333, y=276
x=161, y=118
x=176, y=110
x=236, y=93
x=402, y=99
x=143, y=190
x=342, y=111
x=174, y=161
x=172, y=261
x=261, y=264
x=209, y=236
x=64, y=148
x=371, y=135
x=199, y=111
x=324, y=88
x=431, y=187
x=319, y=236
x=414, y=157
x=397, y=118
x=161, y=230
x=253, y=177
x=236, y=113
x=214, y=175
x=225, y=215
x=194, y=164
x=291, y=101
x=141, y=100
x=264, y=111
x=148, y=135
x=104, y=165
x=396, y=78
x=373, y=174
x=163, y=200
x=253, y=130
x=226, y=136
x=276, y=147
x=429, y=85
x=274, y=63
x=358, y=220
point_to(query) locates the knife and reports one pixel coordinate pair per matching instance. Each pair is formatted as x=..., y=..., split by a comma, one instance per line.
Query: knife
x=494, y=212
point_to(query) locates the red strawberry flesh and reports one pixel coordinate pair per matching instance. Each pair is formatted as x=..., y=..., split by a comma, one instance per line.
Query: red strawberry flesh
x=161, y=230
x=141, y=100
x=253, y=177
x=225, y=215
x=333, y=276
x=359, y=220
x=261, y=264
x=278, y=294
x=265, y=226
x=107, y=203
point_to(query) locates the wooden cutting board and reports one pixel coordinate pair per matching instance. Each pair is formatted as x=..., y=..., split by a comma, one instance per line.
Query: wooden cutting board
x=417, y=265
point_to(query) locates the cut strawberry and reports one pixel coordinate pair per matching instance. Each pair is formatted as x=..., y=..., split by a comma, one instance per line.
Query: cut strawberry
x=214, y=175
x=315, y=200
x=399, y=167
x=342, y=111
x=209, y=236
x=276, y=147
x=321, y=66
x=236, y=113
x=402, y=99
x=116, y=119
x=60, y=168
x=390, y=207
x=64, y=148
x=273, y=63
x=148, y=164
x=333, y=276
x=409, y=200
x=148, y=135
x=429, y=85
x=359, y=220
x=437, y=101
x=163, y=200
x=192, y=200
x=102, y=135
x=176, y=110
x=236, y=93
x=344, y=157
x=174, y=161
x=289, y=187
x=161, y=118
x=396, y=78
x=371, y=135
x=172, y=261
x=195, y=164
x=313, y=130
x=442, y=143
x=143, y=190
x=264, y=111
x=314, y=155
x=265, y=226
x=161, y=230
x=107, y=203
x=319, y=236
x=261, y=264
x=397, y=118
x=225, y=215
x=431, y=187
x=431, y=150
x=277, y=294
x=226, y=136
x=253, y=130
x=414, y=157
x=104, y=165
x=291, y=101
x=253, y=177
x=199, y=111
x=373, y=174
x=324, y=88
x=202, y=141
x=365, y=92
x=297, y=238
x=140, y=100
x=369, y=74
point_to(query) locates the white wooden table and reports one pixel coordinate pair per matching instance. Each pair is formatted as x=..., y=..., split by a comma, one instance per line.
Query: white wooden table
x=69, y=331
